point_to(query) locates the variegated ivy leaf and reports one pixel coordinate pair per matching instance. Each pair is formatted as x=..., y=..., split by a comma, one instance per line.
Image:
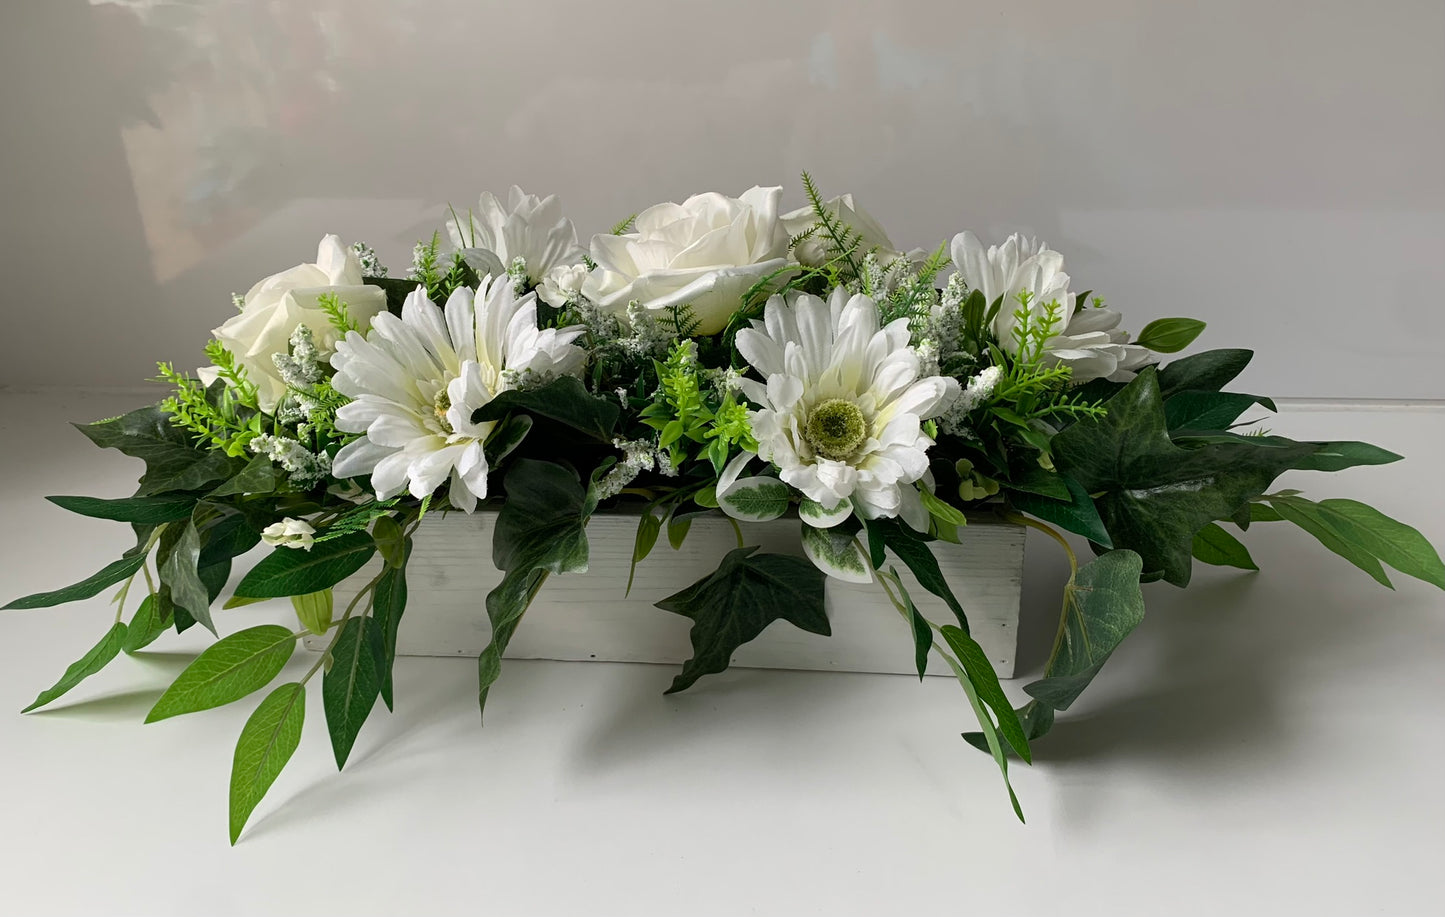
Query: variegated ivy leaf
x=837, y=553
x=757, y=499
x=824, y=517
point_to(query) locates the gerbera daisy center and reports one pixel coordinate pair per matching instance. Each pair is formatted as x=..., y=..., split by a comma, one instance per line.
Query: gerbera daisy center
x=440, y=405
x=836, y=428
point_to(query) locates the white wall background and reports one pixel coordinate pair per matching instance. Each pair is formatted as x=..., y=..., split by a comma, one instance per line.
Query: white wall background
x=1272, y=167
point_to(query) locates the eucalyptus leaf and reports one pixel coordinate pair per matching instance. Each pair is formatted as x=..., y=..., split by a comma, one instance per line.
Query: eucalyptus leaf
x=267, y=742
x=736, y=602
x=227, y=671
x=93, y=661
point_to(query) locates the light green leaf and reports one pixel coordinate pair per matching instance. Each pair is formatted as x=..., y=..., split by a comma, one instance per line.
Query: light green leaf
x=227, y=671
x=137, y=510
x=756, y=499
x=96, y=659
x=677, y=529
x=350, y=687
x=837, y=553
x=1170, y=335
x=736, y=602
x=941, y=509
x=314, y=610
x=387, y=534
x=824, y=517
x=649, y=526
x=292, y=571
x=113, y=573
x=1365, y=537
x=267, y=742
x=1214, y=545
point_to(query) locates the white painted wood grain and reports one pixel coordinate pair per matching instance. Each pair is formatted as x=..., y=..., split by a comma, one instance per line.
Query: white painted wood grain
x=591, y=616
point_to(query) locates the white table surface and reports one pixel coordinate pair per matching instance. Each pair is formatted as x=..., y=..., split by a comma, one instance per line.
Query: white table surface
x=1264, y=743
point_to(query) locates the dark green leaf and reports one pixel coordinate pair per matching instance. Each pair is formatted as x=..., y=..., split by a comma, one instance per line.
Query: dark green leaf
x=505, y=606
x=507, y=436
x=1213, y=545
x=1193, y=410
x=980, y=672
x=350, y=687
x=1034, y=480
x=139, y=510
x=267, y=742
x=1103, y=604
x=99, y=656
x=259, y=476
x=179, y=572
x=1209, y=371
x=148, y=623
x=565, y=400
x=1170, y=335
x=173, y=461
x=113, y=573
x=397, y=289
x=1037, y=720
x=231, y=535
x=918, y=557
x=1077, y=514
x=1365, y=537
x=227, y=671
x=1332, y=456
x=389, y=538
x=736, y=602
x=649, y=527
x=293, y=571
x=388, y=601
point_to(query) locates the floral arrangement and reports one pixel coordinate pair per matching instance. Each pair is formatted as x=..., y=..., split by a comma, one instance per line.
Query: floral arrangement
x=717, y=356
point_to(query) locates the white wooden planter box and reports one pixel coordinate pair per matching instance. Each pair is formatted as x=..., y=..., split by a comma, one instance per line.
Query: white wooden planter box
x=589, y=616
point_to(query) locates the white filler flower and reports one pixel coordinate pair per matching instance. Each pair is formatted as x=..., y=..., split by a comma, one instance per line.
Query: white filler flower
x=416, y=380
x=1087, y=340
x=527, y=226
x=289, y=533
x=705, y=253
x=842, y=404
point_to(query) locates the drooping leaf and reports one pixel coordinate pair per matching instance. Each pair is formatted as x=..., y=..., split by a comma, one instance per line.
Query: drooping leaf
x=1103, y=604
x=733, y=604
x=146, y=625
x=1364, y=536
x=227, y=671
x=138, y=510
x=267, y=742
x=755, y=499
x=980, y=671
x=292, y=571
x=649, y=526
x=677, y=529
x=388, y=601
x=1214, y=545
x=1170, y=335
x=1152, y=494
x=111, y=574
x=918, y=557
x=565, y=400
x=837, y=553
x=350, y=687
x=180, y=573
x=505, y=606
x=93, y=661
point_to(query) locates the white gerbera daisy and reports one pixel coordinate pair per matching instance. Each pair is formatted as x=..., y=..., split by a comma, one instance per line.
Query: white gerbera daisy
x=416, y=380
x=841, y=405
x=1088, y=341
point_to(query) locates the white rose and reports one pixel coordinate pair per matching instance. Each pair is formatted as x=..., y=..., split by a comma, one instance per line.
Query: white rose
x=274, y=307
x=528, y=227
x=563, y=284
x=705, y=252
x=289, y=533
x=815, y=250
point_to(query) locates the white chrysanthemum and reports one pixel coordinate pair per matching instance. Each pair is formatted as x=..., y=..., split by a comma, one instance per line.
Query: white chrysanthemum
x=416, y=380
x=528, y=227
x=1087, y=340
x=842, y=404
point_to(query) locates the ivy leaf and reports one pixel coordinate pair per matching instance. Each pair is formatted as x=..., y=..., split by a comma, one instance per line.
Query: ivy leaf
x=260, y=476
x=1214, y=545
x=292, y=571
x=1076, y=513
x=388, y=601
x=756, y=499
x=137, y=510
x=1194, y=410
x=267, y=742
x=96, y=659
x=227, y=671
x=1152, y=494
x=111, y=574
x=565, y=400
x=1209, y=371
x=350, y=687
x=734, y=603
x=541, y=529
x=180, y=573
x=1102, y=605
x=173, y=461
